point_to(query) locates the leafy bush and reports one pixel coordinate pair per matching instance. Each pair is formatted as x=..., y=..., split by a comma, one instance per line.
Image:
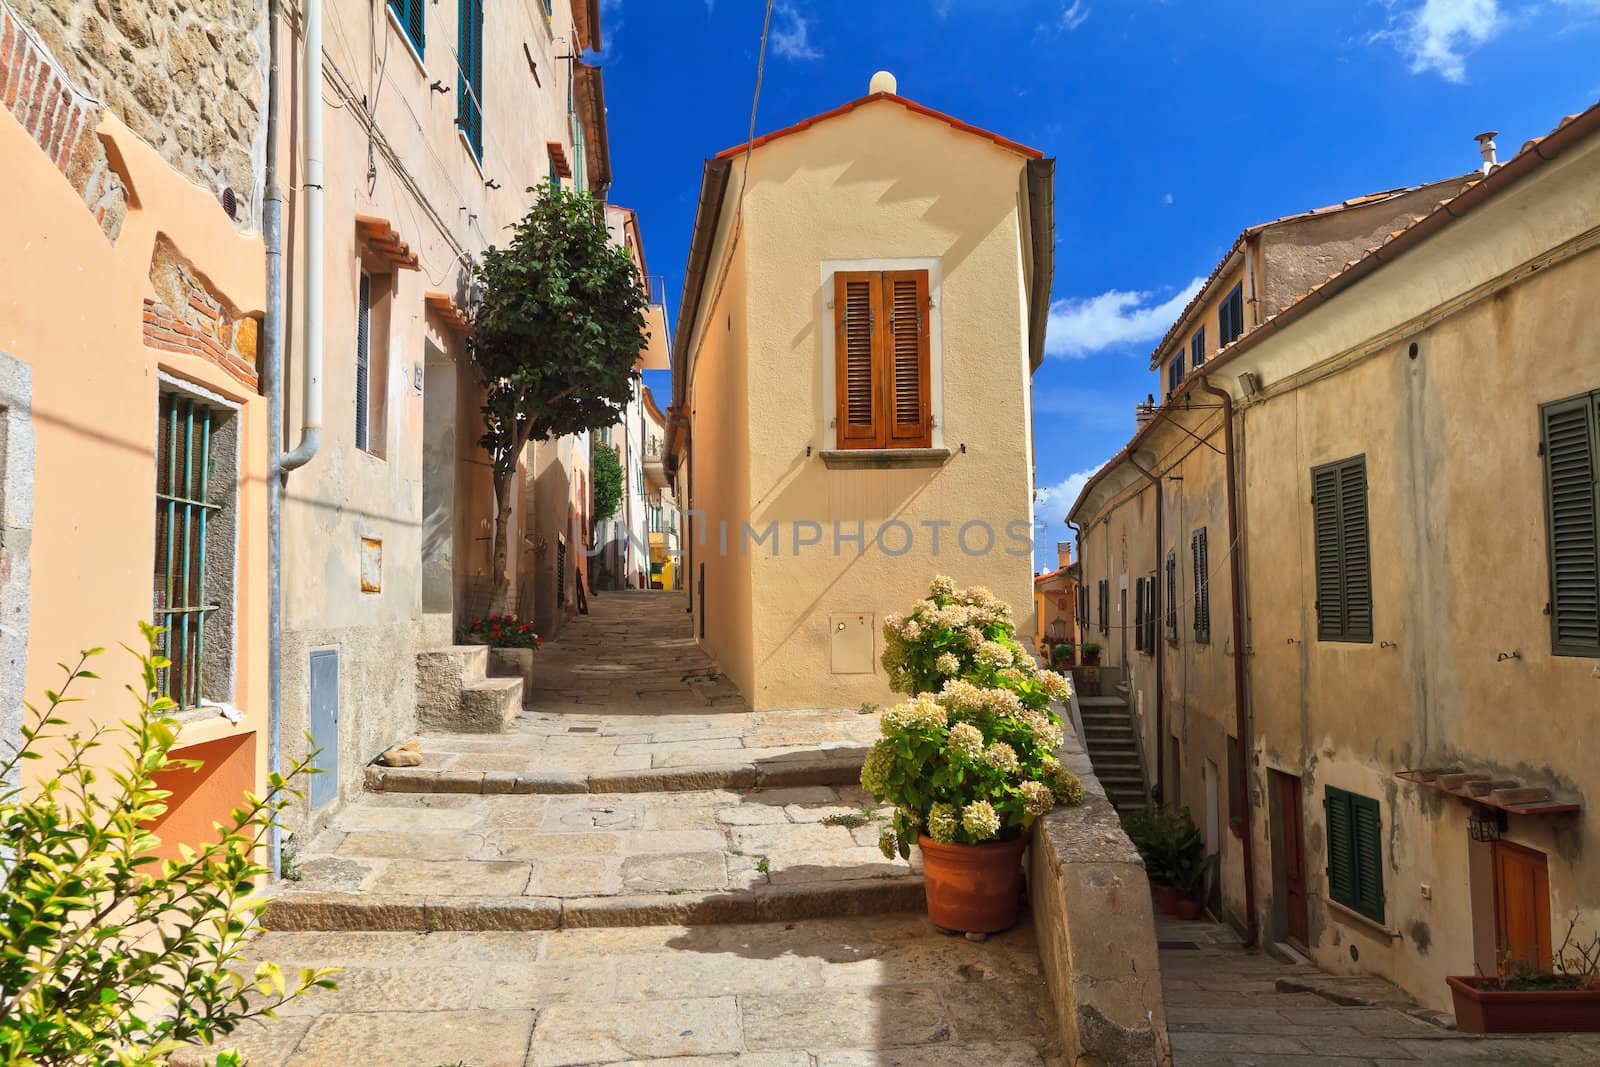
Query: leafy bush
x=1171, y=845
x=606, y=472
x=971, y=757
x=109, y=955
x=1061, y=654
x=503, y=631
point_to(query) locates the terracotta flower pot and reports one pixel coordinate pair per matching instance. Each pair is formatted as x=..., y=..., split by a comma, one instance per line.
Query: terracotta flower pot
x=1484, y=1008
x=973, y=888
x=1167, y=898
x=1188, y=909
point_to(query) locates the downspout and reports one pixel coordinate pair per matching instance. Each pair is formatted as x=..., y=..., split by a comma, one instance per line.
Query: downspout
x=1159, y=653
x=1241, y=716
x=272, y=329
x=1077, y=554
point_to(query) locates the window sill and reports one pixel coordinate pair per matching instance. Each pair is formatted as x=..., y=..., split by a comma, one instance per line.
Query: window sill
x=884, y=458
x=1347, y=914
x=405, y=39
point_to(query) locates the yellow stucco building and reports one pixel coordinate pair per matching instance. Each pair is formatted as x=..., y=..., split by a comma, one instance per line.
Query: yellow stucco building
x=864, y=305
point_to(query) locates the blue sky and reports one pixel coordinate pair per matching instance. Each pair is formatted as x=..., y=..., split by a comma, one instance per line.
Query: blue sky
x=1175, y=123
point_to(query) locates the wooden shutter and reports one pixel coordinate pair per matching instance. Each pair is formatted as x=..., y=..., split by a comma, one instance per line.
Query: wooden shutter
x=1172, y=596
x=1330, y=579
x=1138, y=613
x=1368, y=827
x=1202, y=586
x=1150, y=613
x=410, y=13
x=1341, y=846
x=1357, y=561
x=363, y=359
x=857, y=302
x=1572, y=504
x=907, y=358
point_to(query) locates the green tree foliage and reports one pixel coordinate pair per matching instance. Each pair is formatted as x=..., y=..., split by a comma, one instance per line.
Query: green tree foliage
x=109, y=955
x=556, y=335
x=607, y=480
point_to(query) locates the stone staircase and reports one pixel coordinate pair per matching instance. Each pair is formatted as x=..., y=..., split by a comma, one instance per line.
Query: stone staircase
x=456, y=692
x=1114, y=750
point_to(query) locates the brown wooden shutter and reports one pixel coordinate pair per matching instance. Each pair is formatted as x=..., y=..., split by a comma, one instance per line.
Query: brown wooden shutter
x=857, y=302
x=907, y=389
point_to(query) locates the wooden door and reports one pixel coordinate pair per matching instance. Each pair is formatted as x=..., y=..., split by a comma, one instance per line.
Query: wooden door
x=1521, y=904
x=1291, y=846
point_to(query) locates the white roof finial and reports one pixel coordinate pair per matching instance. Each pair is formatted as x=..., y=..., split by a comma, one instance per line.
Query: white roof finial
x=883, y=82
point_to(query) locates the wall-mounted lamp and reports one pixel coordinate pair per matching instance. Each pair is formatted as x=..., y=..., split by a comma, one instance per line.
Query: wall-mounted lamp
x=1250, y=383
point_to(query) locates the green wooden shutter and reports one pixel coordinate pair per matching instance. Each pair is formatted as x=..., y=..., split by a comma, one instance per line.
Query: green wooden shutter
x=1172, y=596
x=1138, y=613
x=411, y=16
x=1150, y=613
x=1368, y=826
x=1330, y=576
x=1357, y=559
x=1572, y=511
x=1341, y=846
x=1202, y=586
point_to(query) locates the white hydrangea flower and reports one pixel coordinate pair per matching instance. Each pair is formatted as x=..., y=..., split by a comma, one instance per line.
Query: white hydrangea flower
x=980, y=820
x=966, y=740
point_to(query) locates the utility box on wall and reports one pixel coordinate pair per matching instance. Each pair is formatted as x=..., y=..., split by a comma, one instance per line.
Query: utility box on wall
x=852, y=643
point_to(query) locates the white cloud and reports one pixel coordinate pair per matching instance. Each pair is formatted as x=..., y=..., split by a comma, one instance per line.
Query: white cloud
x=1051, y=502
x=1075, y=16
x=1166, y=200
x=1438, y=35
x=791, y=35
x=1080, y=326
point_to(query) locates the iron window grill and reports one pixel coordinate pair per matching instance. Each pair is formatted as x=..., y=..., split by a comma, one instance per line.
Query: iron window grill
x=184, y=509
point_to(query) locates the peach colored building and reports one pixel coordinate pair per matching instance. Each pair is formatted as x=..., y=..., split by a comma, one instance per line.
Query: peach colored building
x=132, y=426
x=862, y=314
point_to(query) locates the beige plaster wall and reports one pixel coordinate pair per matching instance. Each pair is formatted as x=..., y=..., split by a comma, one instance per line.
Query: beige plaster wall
x=830, y=194
x=1457, y=530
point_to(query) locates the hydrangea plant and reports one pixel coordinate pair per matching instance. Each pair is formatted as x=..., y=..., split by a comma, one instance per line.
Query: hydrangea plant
x=971, y=756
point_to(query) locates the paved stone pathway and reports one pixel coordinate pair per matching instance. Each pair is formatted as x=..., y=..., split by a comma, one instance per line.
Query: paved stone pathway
x=1226, y=1006
x=584, y=890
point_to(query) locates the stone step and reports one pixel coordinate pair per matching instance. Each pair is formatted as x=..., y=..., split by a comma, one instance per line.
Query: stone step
x=1085, y=703
x=398, y=862
x=817, y=770
x=489, y=706
x=885, y=990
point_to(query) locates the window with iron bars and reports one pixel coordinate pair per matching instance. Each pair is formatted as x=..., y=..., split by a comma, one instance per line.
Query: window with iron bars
x=196, y=465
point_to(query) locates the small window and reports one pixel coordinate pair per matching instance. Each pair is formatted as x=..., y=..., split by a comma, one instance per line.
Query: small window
x=1571, y=446
x=410, y=15
x=196, y=469
x=1230, y=316
x=1343, y=560
x=1172, y=596
x=469, y=78
x=1202, y=587
x=1355, y=852
x=882, y=359
x=1197, y=348
x=1175, y=373
x=373, y=293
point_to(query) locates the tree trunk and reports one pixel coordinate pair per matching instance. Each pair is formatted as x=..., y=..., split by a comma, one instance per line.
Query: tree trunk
x=500, y=594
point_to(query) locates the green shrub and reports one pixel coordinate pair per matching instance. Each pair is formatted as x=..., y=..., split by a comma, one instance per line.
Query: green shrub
x=1173, y=849
x=503, y=631
x=972, y=757
x=109, y=955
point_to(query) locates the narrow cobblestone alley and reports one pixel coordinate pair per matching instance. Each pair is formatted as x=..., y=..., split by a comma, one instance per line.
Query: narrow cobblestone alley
x=1227, y=1007
x=641, y=871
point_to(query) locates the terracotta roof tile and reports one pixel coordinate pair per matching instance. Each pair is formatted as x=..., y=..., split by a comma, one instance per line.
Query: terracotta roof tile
x=909, y=105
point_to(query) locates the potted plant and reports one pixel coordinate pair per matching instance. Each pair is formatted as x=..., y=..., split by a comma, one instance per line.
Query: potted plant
x=970, y=760
x=511, y=642
x=1171, y=845
x=1522, y=998
x=1188, y=874
x=1061, y=656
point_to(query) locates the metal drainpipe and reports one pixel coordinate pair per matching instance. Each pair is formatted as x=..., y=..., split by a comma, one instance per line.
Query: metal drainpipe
x=1241, y=716
x=279, y=462
x=1159, y=652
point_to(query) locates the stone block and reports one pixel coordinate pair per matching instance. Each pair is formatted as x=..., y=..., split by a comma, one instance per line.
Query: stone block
x=664, y=909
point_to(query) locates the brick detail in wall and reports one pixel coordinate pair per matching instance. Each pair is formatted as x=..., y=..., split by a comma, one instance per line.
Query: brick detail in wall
x=61, y=122
x=192, y=319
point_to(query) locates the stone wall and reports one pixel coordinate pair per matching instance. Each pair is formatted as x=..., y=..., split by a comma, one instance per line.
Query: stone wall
x=187, y=76
x=1096, y=930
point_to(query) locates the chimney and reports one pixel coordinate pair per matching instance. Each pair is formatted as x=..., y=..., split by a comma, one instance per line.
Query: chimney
x=1486, y=149
x=1143, y=412
x=1064, y=554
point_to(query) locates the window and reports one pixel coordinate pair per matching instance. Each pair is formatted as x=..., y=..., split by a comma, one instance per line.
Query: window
x=409, y=14
x=882, y=359
x=1197, y=348
x=1230, y=316
x=364, y=362
x=1175, y=373
x=1202, y=587
x=196, y=466
x=1105, y=606
x=1344, y=564
x=1172, y=596
x=1571, y=446
x=1083, y=608
x=469, y=79
x=1138, y=615
x=373, y=294
x=1150, y=614
x=1355, y=852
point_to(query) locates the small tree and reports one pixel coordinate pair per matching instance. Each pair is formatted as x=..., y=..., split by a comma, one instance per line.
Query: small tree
x=108, y=954
x=556, y=337
x=607, y=480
